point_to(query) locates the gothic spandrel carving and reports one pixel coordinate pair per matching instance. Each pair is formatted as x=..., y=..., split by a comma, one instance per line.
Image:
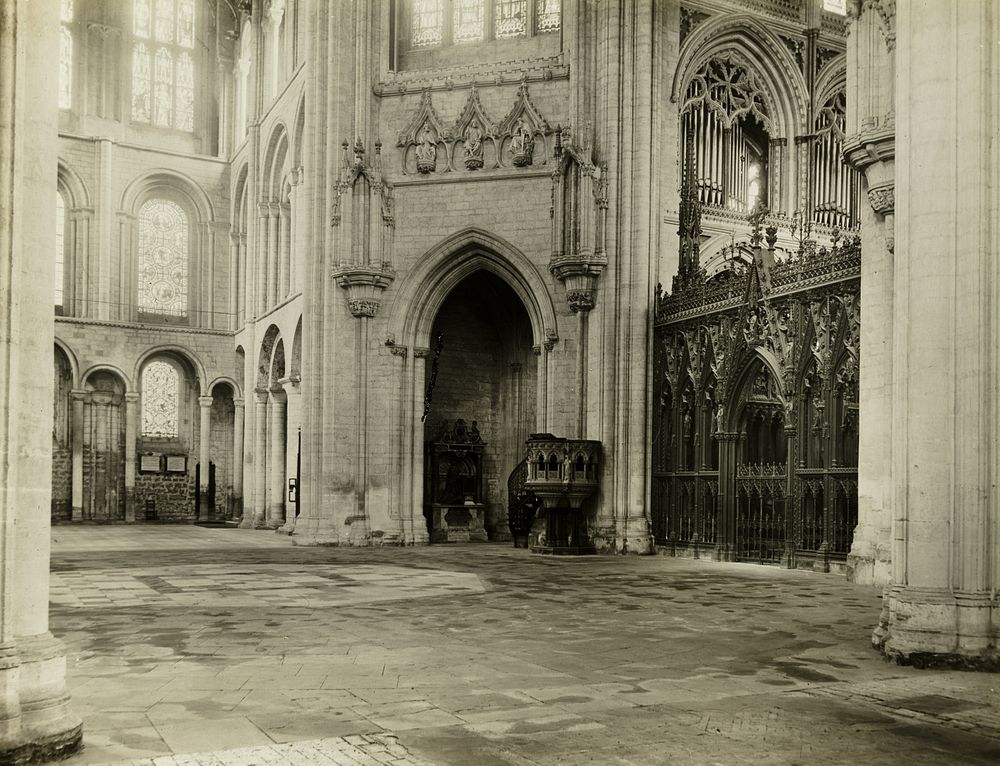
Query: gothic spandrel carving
x=690, y=19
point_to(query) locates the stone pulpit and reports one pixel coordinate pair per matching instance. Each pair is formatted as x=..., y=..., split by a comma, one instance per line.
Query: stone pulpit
x=562, y=473
x=453, y=486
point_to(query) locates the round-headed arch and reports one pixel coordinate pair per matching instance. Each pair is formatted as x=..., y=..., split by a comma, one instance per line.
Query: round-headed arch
x=227, y=381
x=71, y=186
x=163, y=181
x=109, y=368
x=453, y=259
x=179, y=353
x=74, y=364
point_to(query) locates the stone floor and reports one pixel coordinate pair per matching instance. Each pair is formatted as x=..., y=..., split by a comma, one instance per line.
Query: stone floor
x=220, y=646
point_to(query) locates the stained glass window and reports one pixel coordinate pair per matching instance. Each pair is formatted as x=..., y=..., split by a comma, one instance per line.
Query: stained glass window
x=185, y=23
x=163, y=73
x=184, y=116
x=60, y=248
x=66, y=54
x=163, y=258
x=162, y=92
x=164, y=21
x=548, y=15
x=426, y=22
x=468, y=20
x=160, y=399
x=140, y=18
x=509, y=18
x=141, y=109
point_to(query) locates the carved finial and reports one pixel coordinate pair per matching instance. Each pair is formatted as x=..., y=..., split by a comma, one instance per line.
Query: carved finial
x=756, y=219
x=771, y=236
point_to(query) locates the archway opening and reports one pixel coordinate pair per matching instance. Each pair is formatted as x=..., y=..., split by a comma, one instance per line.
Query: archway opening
x=485, y=377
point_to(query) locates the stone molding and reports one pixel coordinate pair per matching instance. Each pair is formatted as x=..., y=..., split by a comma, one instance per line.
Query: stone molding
x=478, y=75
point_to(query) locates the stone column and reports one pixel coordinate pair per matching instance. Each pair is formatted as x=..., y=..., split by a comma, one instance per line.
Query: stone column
x=260, y=461
x=238, y=415
x=260, y=257
x=273, y=231
x=131, y=435
x=293, y=417
x=270, y=26
x=870, y=147
x=36, y=724
x=941, y=606
x=77, y=399
x=284, y=250
x=418, y=523
x=205, y=511
x=276, y=461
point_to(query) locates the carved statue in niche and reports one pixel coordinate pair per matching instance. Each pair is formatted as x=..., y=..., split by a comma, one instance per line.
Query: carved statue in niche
x=426, y=150
x=474, y=146
x=522, y=144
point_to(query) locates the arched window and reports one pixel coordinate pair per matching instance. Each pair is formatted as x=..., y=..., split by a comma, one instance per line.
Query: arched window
x=445, y=22
x=163, y=258
x=160, y=400
x=60, y=253
x=66, y=54
x=162, y=63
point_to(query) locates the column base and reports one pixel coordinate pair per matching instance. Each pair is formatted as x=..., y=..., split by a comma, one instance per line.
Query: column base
x=869, y=562
x=938, y=628
x=312, y=530
x=608, y=541
x=48, y=728
x=42, y=749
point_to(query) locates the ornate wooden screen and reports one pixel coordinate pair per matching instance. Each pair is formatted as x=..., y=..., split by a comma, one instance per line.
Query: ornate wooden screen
x=755, y=398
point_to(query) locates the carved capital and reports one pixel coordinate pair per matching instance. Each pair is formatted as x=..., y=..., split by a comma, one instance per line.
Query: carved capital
x=364, y=286
x=398, y=351
x=882, y=198
x=363, y=307
x=421, y=353
x=580, y=300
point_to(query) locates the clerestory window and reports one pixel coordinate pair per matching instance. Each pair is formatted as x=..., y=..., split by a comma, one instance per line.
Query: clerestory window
x=164, y=237
x=436, y=23
x=163, y=72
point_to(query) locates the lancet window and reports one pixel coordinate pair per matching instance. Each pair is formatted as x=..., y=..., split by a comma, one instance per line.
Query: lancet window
x=163, y=258
x=726, y=110
x=434, y=23
x=163, y=74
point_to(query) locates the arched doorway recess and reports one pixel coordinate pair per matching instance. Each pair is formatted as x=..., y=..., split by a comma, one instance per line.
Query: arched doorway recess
x=481, y=379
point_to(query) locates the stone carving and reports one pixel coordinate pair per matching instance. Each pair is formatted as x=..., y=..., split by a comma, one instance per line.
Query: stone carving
x=522, y=127
x=580, y=300
x=420, y=139
x=426, y=150
x=522, y=145
x=477, y=133
x=361, y=307
x=730, y=87
x=882, y=199
x=473, y=146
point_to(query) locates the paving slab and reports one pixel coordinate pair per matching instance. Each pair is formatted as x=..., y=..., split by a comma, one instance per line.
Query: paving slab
x=237, y=644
